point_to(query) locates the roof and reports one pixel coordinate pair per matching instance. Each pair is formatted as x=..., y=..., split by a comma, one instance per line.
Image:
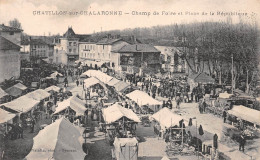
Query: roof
x=166, y=117
x=8, y=45
x=38, y=94
x=116, y=112
x=202, y=78
x=70, y=33
x=139, y=48
x=39, y=42
x=142, y=98
x=108, y=41
x=59, y=140
x=4, y=28
x=245, y=113
x=22, y=104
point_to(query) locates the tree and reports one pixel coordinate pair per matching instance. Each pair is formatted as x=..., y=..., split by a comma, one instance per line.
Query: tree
x=15, y=23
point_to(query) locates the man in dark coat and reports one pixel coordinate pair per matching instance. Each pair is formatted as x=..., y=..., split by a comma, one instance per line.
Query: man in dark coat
x=242, y=142
x=224, y=116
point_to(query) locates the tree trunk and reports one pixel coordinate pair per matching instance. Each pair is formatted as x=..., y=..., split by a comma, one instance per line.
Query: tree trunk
x=247, y=85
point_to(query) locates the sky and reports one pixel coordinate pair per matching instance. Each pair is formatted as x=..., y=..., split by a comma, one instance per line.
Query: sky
x=135, y=13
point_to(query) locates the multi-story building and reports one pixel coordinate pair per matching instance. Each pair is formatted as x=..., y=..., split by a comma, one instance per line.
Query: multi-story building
x=10, y=41
x=11, y=33
x=41, y=50
x=172, y=60
x=96, y=54
x=67, y=47
x=136, y=58
x=9, y=59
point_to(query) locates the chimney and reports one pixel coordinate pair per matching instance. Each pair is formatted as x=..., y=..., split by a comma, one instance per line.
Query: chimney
x=133, y=39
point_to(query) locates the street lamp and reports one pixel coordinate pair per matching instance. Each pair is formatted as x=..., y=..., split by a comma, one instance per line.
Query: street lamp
x=232, y=81
x=196, y=137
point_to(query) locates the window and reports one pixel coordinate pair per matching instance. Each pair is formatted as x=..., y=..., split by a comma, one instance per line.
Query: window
x=85, y=47
x=70, y=43
x=11, y=33
x=75, y=43
x=74, y=50
x=70, y=50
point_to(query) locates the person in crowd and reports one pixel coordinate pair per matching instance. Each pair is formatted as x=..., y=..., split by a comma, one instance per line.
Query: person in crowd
x=224, y=115
x=77, y=82
x=32, y=124
x=242, y=142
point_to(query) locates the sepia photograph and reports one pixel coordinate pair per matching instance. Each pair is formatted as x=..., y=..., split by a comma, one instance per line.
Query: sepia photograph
x=129, y=80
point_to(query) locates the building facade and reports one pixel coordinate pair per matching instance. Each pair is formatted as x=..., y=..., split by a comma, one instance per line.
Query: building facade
x=137, y=58
x=96, y=54
x=67, y=47
x=41, y=50
x=9, y=60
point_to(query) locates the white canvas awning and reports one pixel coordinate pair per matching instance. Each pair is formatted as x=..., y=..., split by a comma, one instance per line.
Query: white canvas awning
x=116, y=112
x=59, y=141
x=20, y=86
x=98, y=74
x=78, y=106
x=5, y=116
x=38, y=94
x=245, y=113
x=52, y=88
x=166, y=118
x=62, y=106
x=142, y=98
x=90, y=82
x=73, y=103
x=22, y=104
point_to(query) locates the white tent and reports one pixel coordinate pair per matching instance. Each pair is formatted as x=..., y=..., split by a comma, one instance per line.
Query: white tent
x=126, y=148
x=74, y=103
x=142, y=98
x=38, y=94
x=22, y=104
x=116, y=112
x=166, y=118
x=5, y=116
x=78, y=106
x=90, y=82
x=98, y=74
x=52, y=88
x=62, y=105
x=245, y=113
x=59, y=141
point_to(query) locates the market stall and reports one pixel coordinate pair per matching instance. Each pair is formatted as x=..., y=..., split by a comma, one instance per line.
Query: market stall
x=143, y=99
x=59, y=140
x=91, y=82
x=16, y=90
x=6, y=117
x=22, y=104
x=121, y=86
x=125, y=149
x=53, y=89
x=3, y=94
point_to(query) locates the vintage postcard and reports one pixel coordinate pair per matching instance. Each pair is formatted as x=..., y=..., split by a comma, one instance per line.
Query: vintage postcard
x=129, y=80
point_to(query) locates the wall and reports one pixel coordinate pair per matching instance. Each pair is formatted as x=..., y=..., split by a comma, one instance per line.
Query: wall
x=9, y=64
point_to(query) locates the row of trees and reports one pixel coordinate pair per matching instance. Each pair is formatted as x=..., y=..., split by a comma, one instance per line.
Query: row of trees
x=209, y=46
